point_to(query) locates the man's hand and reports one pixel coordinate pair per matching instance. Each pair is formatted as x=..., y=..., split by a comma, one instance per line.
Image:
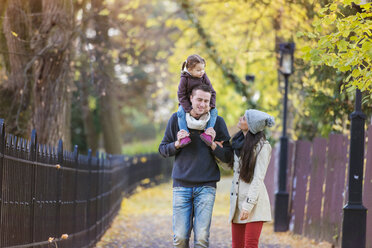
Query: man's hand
x=180, y=135
x=210, y=131
x=244, y=215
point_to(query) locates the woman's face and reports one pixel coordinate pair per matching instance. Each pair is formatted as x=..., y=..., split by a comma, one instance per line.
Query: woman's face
x=243, y=124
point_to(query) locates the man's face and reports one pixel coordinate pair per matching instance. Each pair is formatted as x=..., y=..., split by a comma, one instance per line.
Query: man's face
x=200, y=101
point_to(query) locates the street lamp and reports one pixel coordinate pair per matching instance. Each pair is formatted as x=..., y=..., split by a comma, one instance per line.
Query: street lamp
x=354, y=213
x=249, y=78
x=281, y=221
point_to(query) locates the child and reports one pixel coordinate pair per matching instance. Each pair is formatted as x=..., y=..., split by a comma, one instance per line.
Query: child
x=193, y=74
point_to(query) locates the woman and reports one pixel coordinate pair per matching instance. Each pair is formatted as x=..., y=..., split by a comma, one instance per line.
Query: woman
x=249, y=201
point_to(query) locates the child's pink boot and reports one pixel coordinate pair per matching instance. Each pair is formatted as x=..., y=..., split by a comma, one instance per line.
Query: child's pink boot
x=185, y=141
x=206, y=138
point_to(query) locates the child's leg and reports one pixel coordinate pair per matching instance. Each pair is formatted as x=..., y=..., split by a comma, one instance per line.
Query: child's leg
x=213, y=118
x=181, y=114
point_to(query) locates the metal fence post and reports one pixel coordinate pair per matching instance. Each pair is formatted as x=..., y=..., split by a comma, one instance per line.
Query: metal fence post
x=97, y=193
x=2, y=151
x=59, y=187
x=76, y=165
x=88, y=221
x=33, y=145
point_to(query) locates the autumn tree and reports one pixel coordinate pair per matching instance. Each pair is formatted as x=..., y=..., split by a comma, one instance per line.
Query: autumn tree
x=37, y=55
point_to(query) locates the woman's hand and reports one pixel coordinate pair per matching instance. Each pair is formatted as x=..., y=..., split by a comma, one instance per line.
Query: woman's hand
x=219, y=143
x=244, y=215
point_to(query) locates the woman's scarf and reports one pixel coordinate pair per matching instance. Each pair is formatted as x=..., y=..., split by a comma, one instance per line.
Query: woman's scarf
x=200, y=124
x=237, y=143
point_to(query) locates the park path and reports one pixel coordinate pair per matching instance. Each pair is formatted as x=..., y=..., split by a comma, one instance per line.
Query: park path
x=145, y=221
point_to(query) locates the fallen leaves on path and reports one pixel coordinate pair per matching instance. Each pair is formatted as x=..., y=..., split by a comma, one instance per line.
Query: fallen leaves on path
x=145, y=221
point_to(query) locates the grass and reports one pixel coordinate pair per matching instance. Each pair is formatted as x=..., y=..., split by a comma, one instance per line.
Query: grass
x=142, y=147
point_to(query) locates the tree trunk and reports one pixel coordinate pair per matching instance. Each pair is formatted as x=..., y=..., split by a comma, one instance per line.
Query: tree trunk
x=105, y=79
x=3, y=46
x=90, y=131
x=51, y=91
x=86, y=84
x=16, y=31
x=15, y=92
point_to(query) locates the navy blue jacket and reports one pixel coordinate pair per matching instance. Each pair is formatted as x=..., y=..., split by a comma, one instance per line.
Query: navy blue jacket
x=195, y=164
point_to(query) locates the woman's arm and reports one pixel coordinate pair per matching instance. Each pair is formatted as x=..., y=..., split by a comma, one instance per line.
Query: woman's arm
x=262, y=162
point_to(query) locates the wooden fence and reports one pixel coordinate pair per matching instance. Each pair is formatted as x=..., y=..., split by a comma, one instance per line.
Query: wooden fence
x=317, y=175
x=50, y=197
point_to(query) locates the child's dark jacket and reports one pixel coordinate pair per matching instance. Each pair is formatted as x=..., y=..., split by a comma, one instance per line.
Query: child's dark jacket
x=187, y=83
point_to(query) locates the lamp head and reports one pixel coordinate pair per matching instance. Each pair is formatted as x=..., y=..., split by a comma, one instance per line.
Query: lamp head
x=286, y=58
x=249, y=78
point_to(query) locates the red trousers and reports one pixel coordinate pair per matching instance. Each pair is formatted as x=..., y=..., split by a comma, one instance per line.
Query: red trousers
x=246, y=235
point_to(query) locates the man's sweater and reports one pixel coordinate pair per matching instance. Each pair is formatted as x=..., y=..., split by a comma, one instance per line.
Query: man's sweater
x=195, y=164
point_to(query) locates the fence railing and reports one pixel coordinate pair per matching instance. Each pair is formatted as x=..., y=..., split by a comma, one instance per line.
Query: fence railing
x=317, y=175
x=50, y=197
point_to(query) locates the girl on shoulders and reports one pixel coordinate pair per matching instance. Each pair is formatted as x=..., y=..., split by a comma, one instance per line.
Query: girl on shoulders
x=193, y=74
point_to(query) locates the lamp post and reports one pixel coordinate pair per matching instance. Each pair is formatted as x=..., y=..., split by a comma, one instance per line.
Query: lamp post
x=354, y=213
x=281, y=221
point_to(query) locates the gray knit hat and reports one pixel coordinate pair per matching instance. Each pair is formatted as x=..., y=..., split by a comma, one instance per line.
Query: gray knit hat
x=258, y=120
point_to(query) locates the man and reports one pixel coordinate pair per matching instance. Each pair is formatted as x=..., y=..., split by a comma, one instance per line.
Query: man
x=195, y=172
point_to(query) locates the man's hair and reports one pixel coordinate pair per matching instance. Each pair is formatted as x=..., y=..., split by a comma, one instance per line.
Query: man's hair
x=202, y=87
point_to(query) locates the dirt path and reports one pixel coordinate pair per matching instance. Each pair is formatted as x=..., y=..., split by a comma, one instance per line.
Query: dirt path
x=145, y=220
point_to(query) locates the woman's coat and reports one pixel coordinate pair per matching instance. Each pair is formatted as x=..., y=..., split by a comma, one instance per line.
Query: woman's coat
x=252, y=196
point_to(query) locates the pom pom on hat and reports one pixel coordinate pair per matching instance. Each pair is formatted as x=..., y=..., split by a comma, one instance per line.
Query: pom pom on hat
x=258, y=120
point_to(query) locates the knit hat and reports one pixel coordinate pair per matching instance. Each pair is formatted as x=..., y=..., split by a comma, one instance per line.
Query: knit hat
x=258, y=120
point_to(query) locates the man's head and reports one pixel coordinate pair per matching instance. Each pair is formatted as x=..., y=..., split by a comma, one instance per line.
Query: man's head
x=200, y=99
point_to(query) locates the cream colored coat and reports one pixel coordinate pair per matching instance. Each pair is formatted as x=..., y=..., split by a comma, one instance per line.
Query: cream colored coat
x=252, y=196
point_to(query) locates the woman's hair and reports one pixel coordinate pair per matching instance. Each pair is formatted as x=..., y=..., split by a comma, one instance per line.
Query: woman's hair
x=248, y=155
x=192, y=61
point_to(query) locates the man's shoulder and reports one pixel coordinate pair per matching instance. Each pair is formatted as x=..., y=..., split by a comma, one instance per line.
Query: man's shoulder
x=220, y=119
x=220, y=122
x=172, y=121
x=174, y=116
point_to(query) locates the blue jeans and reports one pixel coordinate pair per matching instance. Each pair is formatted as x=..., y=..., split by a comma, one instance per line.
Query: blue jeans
x=192, y=208
x=181, y=114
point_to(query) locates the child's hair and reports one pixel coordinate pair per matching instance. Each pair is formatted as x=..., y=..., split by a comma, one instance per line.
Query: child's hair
x=192, y=61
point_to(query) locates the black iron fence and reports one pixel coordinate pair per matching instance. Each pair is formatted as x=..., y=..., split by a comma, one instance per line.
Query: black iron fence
x=55, y=198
